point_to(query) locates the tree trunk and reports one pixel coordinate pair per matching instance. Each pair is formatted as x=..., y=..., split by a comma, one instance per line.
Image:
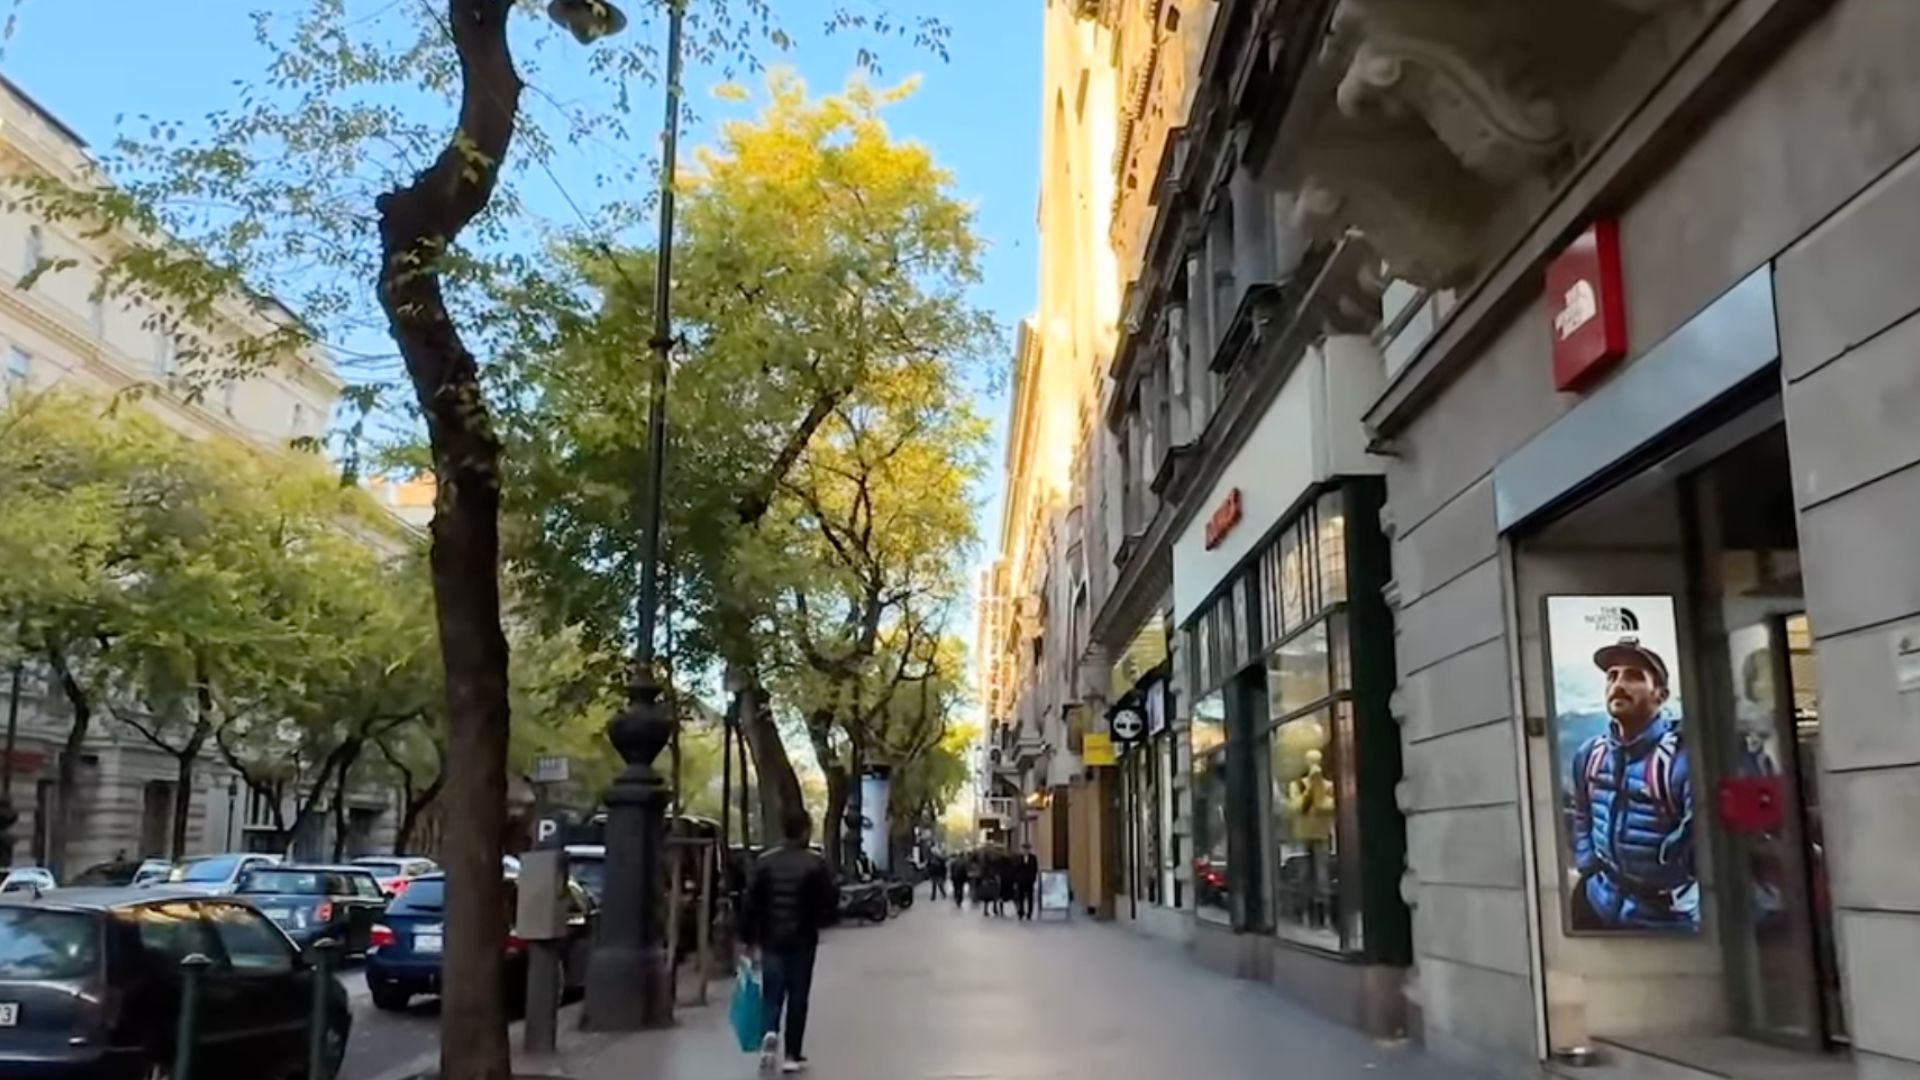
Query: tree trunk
x=182, y=804
x=187, y=757
x=779, y=785
x=67, y=778
x=820, y=733
x=419, y=224
x=833, y=842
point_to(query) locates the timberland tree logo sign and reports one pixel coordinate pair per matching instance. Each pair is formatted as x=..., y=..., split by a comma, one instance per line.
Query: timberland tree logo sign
x=1586, y=303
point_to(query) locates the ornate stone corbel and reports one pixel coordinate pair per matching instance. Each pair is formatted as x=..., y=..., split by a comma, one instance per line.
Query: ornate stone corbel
x=1445, y=65
x=1422, y=217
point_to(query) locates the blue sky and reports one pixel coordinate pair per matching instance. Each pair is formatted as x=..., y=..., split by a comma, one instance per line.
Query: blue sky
x=91, y=61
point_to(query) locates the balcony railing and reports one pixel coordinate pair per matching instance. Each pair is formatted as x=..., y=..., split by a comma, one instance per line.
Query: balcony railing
x=999, y=808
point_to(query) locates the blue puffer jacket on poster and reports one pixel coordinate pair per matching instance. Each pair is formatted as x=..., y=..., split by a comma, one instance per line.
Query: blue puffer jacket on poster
x=1633, y=828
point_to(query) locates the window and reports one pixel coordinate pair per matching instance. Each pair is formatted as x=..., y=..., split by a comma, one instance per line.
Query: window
x=365, y=886
x=19, y=373
x=163, y=355
x=169, y=933
x=1210, y=892
x=1305, y=800
x=229, y=396
x=299, y=419
x=35, y=251
x=38, y=944
x=254, y=945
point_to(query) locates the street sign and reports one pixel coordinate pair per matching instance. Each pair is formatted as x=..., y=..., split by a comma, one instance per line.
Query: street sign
x=545, y=831
x=552, y=769
x=1127, y=726
x=1096, y=749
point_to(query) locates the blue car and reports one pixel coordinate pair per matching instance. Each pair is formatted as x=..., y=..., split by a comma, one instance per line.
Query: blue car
x=318, y=903
x=408, y=944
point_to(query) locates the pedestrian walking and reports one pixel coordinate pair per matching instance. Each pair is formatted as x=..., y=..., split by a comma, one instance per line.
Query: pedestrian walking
x=790, y=898
x=958, y=871
x=937, y=873
x=1026, y=879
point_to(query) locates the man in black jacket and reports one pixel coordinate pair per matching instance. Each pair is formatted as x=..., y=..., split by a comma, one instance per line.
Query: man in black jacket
x=790, y=898
x=1026, y=877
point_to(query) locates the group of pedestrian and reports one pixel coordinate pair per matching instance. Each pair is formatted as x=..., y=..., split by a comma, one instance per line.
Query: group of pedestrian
x=992, y=878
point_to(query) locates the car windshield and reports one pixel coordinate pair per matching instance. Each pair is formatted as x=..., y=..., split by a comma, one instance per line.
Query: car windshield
x=36, y=944
x=215, y=869
x=590, y=873
x=426, y=895
x=382, y=869
x=287, y=882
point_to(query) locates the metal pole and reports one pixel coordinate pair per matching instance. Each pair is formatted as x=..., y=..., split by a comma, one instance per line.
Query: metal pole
x=192, y=969
x=323, y=957
x=628, y=981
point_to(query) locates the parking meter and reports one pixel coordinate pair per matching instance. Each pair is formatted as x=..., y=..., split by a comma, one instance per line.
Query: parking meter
x=542, y=914
x=541, y=922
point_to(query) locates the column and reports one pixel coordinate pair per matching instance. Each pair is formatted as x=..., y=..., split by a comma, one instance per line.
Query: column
x=1182, y=428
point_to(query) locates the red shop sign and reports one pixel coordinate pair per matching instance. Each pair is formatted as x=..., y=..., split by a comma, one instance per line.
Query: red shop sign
x=1225, y=517
x=1587, y=304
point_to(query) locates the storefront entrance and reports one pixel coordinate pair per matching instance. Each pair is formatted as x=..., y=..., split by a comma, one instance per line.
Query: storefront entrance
x=1758, y=664
x=1676, y=758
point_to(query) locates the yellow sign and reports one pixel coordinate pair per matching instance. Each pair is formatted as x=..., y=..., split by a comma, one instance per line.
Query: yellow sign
x=1096, y=749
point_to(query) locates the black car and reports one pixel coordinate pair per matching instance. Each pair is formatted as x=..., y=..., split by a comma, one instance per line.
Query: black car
x=90, y=988
x=409, y=944
x=318, y=903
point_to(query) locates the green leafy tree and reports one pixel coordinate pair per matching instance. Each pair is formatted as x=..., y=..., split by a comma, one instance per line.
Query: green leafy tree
x=819, y=260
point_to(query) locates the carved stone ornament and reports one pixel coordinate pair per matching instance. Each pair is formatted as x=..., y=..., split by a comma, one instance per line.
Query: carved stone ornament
x=1416, y=208
x=1434, y=60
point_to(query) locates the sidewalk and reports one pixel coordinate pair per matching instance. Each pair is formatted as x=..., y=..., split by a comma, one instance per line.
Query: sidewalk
x=943, y=995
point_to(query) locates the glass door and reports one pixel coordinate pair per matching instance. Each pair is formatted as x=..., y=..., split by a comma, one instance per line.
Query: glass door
x=1763, y=730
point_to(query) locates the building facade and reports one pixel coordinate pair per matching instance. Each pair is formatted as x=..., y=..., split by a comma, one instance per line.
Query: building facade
x=55, y=333
x=1507, y=492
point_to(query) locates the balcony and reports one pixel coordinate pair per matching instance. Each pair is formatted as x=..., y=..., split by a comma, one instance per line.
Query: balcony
x=1000, y=810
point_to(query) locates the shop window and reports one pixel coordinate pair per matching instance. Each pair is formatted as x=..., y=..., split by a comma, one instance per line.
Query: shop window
x=1210, y=892
x=1304, y=797
x=1332, y=541
x=1299, y=672
x=1208, y=730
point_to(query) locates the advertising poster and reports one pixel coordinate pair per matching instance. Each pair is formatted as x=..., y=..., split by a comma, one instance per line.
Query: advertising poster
x=1622, y=770
x=875, y=790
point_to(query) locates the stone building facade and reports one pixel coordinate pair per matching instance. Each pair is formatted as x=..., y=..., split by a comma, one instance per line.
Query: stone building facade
x=56, y=334
x=1589, y=323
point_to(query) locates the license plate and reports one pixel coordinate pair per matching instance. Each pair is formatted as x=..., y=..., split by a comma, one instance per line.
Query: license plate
x=427, y=943
x=278, y=914
x=9, y=1014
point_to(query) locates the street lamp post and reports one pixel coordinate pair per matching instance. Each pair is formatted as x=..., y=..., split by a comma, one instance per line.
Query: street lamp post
x=629, y=984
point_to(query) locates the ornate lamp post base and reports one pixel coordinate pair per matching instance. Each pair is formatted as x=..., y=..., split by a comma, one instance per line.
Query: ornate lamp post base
x=629, y=982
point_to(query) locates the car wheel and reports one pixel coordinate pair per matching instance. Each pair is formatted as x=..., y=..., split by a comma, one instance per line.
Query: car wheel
x=390, y=998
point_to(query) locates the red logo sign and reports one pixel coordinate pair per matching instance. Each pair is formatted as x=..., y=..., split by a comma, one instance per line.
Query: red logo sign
x=1585, y=298
x=1224, y=518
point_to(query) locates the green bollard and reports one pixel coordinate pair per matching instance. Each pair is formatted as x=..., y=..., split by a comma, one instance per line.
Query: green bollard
x=192, y=969
x=323, y=959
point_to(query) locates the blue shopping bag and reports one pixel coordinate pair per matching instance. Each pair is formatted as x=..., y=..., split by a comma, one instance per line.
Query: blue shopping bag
x=747, y=1011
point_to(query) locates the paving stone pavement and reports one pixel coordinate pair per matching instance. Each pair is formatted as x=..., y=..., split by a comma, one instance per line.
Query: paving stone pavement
x=939, y=994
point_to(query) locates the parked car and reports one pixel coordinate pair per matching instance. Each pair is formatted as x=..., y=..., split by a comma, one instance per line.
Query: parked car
x=218, y=873
x=90, y=987
x=27, y=879
x=410, y=940
x=396, y=872
x=587, y=864
x=318, y=903
x=122, y=872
